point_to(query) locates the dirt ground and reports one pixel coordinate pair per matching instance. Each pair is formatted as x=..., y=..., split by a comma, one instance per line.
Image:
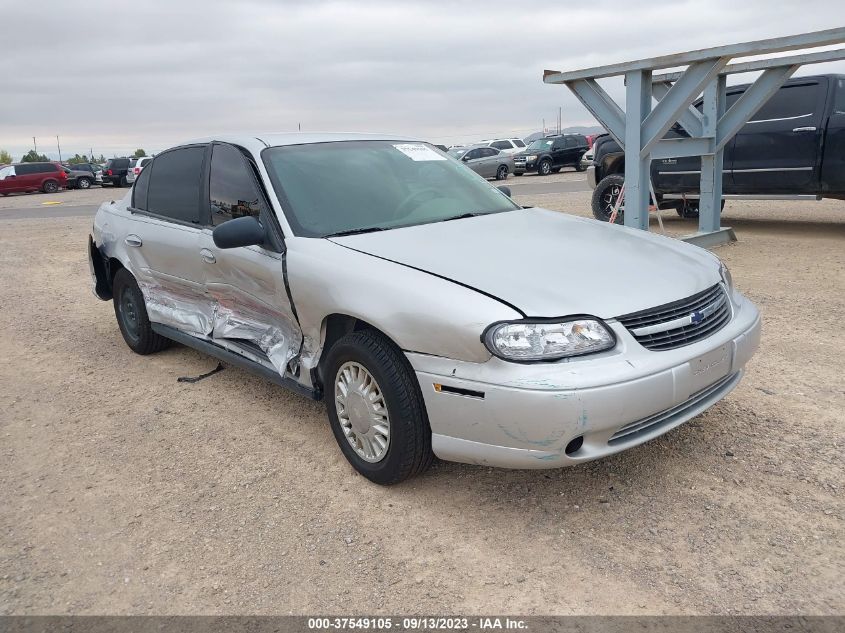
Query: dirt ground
x=123, y=491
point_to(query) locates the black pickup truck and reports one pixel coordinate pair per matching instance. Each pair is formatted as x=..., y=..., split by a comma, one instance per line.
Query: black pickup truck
x=793, y=146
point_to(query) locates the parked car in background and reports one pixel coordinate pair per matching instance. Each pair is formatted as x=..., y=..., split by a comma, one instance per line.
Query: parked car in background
x=432, y=314
x=551, y=154
x=135, y=167
x=794, y=145
x=506, y=145
x=78, y=177
x=115, y=171
x=94, y=169
x=485, y=161
x=27, y=177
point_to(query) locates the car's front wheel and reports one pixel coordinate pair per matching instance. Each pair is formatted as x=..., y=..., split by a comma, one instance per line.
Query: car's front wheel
x=605, y=196
x=132, y=317
x=545, y=167
x=376, y=409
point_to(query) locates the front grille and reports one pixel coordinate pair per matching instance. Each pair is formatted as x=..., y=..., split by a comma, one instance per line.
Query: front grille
x=681, y=322
x=641, y=427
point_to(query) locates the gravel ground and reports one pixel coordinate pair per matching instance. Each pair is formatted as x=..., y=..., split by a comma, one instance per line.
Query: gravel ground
x=123, y=491
x=64, y=197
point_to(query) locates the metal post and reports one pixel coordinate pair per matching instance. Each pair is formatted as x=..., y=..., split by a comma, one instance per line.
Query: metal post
x=710, y=202
x=637, y=169
x=58, y=145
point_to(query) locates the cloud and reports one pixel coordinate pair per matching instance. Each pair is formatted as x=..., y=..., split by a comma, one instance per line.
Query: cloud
x=154, y=73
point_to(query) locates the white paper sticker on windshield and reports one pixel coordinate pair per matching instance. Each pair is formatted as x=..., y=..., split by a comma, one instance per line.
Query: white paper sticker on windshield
x=418, y=151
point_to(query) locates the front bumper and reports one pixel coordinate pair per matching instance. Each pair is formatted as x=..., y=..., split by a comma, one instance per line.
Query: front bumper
x=525, y=416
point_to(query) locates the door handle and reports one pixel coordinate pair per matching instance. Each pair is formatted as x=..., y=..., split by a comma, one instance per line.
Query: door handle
x=804, y=129
x=207, y=256
x=133, y=240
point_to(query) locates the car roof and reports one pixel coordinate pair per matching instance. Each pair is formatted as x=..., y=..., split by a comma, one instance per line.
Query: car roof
x=259, y=142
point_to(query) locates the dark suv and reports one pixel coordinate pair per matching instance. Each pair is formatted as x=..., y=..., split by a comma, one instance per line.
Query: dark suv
x=26, y=177
x=115, y=170
x=550, y=154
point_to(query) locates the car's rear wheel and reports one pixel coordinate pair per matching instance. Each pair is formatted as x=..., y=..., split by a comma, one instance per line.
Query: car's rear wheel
x=502, y=172
x=605, y=196
x=50, y=186
x=375, y=408
x=132, y=317
x=83, y=183
x=545, y=167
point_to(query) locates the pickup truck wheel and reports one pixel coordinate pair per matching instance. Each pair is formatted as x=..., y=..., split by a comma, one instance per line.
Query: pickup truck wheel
x=502, y=172
x=545, y=167
x=132, y=318
x=83, y=183
x=50, y=186
x=375, y=408
x=605, y=196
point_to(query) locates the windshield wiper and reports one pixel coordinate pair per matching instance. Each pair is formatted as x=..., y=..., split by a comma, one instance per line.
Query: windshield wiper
x=462, y=216
x=368, y=229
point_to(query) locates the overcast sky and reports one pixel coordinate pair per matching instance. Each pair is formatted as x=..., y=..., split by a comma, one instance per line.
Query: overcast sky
x=122, y=75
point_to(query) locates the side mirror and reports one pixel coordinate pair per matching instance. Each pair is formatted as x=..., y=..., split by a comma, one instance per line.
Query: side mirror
x=505, y=190
x=465, y=158
x=245, y=231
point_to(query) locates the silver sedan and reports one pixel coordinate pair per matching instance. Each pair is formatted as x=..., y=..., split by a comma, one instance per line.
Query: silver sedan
x=487, y=162
x=433, y=315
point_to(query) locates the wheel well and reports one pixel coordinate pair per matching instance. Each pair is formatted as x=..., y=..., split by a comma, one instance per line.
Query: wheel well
x=336, y=327
x=614, y=165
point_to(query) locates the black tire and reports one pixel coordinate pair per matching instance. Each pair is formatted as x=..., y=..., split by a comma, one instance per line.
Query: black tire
x=50, y=186
x=604, y=197
x=409, y=450
x=545, y=167
x=690, y=209
x=502, y=172
x=83, y=183
x=132, y=318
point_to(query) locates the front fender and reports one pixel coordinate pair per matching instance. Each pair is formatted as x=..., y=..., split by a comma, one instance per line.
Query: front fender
x=420, y=312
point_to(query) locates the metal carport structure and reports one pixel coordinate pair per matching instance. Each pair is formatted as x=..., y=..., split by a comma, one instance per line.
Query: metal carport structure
x=640, y=128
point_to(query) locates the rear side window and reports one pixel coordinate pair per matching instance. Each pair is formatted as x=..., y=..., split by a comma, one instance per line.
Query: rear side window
x=788, y=102
x=518, y=142
x=501, y=145
x=839, y=98
x=139, y=192
x=232, y=189
x=23, y=169
x=174, y=187
x=487, y=152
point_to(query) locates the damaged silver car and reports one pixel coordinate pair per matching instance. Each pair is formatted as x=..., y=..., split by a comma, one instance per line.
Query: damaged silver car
x=432, y=314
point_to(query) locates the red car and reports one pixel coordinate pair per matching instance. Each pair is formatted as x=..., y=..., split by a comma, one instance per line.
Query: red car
x=25, y=177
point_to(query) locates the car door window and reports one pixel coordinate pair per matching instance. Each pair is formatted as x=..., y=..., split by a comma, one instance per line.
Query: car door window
x=789, y=102
x=174, y=187
x=473, y=154
x=6, y=172
x=488, y=152
x=232, y=189
x=139, y=191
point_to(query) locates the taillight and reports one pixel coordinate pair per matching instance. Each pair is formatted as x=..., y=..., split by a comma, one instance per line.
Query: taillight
x=108, y=172
x=137, y=170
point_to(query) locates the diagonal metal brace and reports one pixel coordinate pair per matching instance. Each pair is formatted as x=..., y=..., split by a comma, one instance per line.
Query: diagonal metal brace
x=601, y=106
x=690, y=119
x=679, y=97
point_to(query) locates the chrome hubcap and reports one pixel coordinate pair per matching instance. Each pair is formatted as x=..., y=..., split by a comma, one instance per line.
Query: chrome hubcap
x=362, y=411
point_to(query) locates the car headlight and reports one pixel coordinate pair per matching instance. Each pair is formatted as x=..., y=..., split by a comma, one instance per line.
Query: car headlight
x=545, y=340
x=726, y=277
x=532, y=157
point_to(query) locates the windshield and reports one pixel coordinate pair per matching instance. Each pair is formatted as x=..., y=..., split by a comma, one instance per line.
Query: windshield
x=541, y=143
x=348, y=186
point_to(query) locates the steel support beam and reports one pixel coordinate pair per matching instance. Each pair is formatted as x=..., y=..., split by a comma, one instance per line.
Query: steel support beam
x=710, y=203
x=677, y=100
x=765, y=64
x=690, y=119
x=637, y=167
x=750, y=101
x=680, y=147
x=601, y=106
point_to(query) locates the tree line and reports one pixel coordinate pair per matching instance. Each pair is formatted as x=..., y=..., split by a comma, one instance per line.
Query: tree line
x=34, y=157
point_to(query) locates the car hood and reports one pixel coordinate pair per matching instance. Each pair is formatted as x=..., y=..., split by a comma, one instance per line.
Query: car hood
x=549, y=264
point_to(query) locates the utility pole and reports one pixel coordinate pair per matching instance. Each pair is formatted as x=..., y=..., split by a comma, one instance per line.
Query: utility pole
x=544, y=127
x=34, y=144
x=59, y=148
